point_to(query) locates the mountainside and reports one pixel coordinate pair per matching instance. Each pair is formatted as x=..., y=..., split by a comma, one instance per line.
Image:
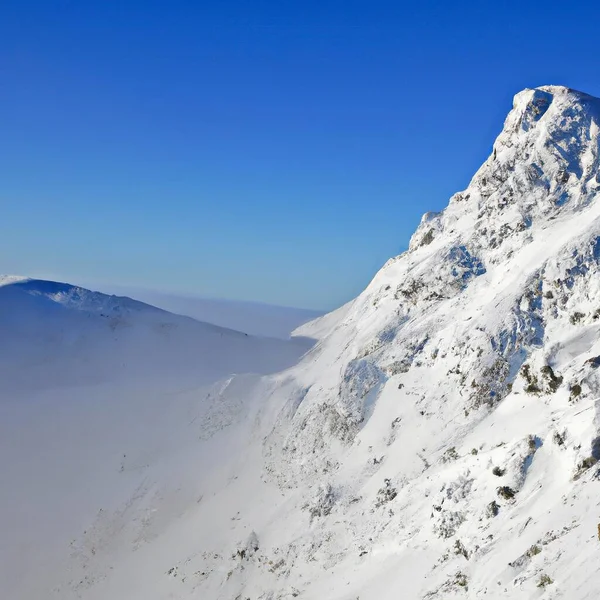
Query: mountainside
x=450, y=416
x=439, y=440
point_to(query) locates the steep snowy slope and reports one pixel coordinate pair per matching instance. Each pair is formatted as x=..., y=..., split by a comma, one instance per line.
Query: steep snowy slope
x=451, y=418
x=440, y=439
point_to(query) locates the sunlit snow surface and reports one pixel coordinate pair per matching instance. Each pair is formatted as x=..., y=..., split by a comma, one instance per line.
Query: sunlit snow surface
x=439, y=440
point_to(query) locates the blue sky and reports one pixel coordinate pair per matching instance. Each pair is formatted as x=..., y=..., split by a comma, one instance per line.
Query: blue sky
x=260, y=150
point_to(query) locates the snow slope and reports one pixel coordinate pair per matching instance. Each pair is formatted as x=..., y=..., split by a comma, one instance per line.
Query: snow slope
x=440, y=440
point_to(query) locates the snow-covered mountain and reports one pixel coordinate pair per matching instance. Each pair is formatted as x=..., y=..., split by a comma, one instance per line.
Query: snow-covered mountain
x=439, y=440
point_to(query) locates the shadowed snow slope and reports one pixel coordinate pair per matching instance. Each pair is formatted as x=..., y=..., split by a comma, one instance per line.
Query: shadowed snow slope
x=440, y=439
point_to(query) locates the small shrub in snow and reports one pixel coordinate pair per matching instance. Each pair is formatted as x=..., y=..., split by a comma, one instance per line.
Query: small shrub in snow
x=498, y=472
x=575, y=392
x=532, y=386
x=584, y=465
x=553, y=381
x=506, y=492
x=460, y=579
x=449, y=455
x=533, y=551
x=249, y=548
x=533, y=442
x=576, y=317
x=427, y=238
x=544, y=580
x=492, y=509
x=459, y=548
x=274, y=566
x=385, y=494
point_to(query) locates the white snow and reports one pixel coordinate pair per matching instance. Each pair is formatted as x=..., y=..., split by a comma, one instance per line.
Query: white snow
x=439, y=440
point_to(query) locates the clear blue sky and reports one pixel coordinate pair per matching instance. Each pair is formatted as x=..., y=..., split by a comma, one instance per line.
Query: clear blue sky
x=263, y=150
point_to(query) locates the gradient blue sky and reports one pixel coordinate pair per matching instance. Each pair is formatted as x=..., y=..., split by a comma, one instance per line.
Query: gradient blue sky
x=261, y=150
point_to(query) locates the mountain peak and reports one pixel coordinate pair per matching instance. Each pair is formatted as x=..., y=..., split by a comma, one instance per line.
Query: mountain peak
x=530, y=105
x=544, y=162
x=562, y=90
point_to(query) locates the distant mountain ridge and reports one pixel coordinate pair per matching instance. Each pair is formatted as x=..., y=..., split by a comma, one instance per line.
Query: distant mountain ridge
x=100, y=336
x=74, y=296
x=253, y=318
